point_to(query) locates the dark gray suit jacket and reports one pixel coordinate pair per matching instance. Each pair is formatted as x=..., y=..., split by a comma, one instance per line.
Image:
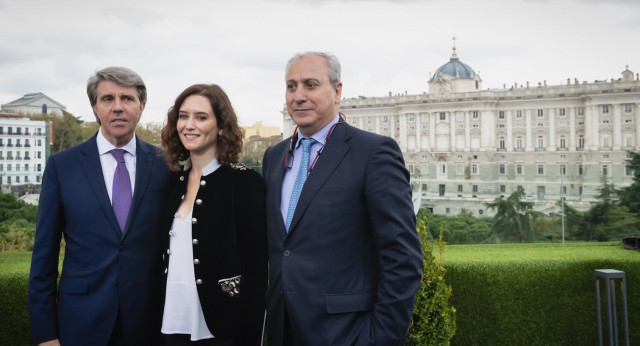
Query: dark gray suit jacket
x=349, y=268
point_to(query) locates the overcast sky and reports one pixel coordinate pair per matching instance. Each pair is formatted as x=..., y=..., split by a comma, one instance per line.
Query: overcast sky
x=243, y=45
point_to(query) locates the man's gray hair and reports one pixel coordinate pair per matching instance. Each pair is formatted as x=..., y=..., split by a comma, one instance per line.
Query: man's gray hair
x=334, y=65
x=119, y=75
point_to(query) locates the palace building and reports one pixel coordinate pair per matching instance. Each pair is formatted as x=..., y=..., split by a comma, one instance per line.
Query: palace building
x=465, y=146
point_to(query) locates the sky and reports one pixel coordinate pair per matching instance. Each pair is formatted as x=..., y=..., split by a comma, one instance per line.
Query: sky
x=243, y=45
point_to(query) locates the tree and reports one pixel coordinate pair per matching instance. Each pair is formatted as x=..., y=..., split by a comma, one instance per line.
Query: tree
x=513, y=219
x=254, y=148
x=150, y=132
x=608, y=220
x=67, y=130
x=630, y=195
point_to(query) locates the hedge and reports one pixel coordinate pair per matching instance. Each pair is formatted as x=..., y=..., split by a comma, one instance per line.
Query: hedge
x=501, y=297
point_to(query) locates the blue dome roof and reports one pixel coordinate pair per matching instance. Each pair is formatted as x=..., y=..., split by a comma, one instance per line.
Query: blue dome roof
x=455, y=68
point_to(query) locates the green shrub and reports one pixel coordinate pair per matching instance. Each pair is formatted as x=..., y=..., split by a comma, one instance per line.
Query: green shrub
x=14, y=314
x=433, y=321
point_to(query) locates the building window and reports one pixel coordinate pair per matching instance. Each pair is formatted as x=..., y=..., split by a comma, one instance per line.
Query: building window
x=540, y=169
x=519, y=143
x=563, y=190
x=563, y=142
x=540, y=113
x=443, y=116
x=628, y=141
x=39, y=168
x=443, y=168
x=474, y=114
x=480, y=211
x=628, y=108
x=475, y=188
x=17, y=179
x=369, y=120
x=518, y=114
x=502, y=169
x=605, y=141
x=628, y=170
x=540, y=142
x=448, y=210
x=411, y=118
x=561, y=111
x=39, y=154
x=424, y=187
x=563, y=170
x=385, y=119
x=501, y=114
x=580, y=142
x=503, y=188
x=580, y=169
x=501, y=143
x=1, y=130
x=10, y=130
x=605, y=109
x=474, y=169
x=519, y=169
x=605, y=170
x=37, y=178
x=459, y=188
x=580, y=110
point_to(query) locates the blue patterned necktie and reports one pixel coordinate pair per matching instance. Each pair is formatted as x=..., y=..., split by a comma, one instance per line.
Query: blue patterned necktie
x=300, y=179
x=121, y=190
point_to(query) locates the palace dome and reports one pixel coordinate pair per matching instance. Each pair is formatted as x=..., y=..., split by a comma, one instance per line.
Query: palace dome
x=455, y=68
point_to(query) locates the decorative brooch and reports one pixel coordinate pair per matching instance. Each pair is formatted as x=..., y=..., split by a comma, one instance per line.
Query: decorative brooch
x=231, y=286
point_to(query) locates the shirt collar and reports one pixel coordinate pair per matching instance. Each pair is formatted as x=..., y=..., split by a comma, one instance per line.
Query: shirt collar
x=104, y=146
x=206, y=170
x=321, y=135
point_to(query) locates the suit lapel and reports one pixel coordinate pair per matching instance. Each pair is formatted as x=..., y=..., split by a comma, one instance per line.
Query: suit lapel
x=332, y=154
x=278, y=172
x=143, y=170
x=92, y=167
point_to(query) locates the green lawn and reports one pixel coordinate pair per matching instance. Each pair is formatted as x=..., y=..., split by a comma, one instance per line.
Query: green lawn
x=528, y=252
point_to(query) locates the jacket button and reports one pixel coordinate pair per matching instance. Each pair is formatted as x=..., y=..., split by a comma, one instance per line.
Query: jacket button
x=181, y=178
x=287, y=253
x=166, y=270
x=199, y=282
x=195, y=242
x=194, y=221
x=198, y=201
x=203, y=183
x=196, y=261
x=182, y=197
x=168, y=252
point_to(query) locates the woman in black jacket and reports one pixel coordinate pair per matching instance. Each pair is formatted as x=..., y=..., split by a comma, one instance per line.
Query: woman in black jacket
x=216, y=258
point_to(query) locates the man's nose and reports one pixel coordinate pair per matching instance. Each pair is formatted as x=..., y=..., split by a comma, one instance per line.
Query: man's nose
x=300, y=95
x=117, y=105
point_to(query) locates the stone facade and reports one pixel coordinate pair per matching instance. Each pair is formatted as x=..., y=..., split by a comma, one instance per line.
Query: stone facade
x=465, y=146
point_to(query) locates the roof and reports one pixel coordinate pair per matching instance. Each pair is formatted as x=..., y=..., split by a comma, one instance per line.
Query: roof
x=455, y=68
x=34, y=100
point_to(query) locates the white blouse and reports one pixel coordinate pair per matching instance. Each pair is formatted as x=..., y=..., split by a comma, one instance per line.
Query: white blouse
x=182, y=309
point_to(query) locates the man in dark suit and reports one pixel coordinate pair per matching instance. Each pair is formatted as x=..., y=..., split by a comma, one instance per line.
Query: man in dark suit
x=108, y=290
x=345, y=260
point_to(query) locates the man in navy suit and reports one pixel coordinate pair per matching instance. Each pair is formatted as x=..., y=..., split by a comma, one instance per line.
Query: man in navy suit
x=108, y=290
x=345, y=260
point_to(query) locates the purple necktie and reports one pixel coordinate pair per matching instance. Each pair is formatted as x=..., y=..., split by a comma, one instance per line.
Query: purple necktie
x=121, y=191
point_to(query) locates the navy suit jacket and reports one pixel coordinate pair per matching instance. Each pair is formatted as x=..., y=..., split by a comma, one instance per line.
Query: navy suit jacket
x=105, y=270
x=349, y=268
